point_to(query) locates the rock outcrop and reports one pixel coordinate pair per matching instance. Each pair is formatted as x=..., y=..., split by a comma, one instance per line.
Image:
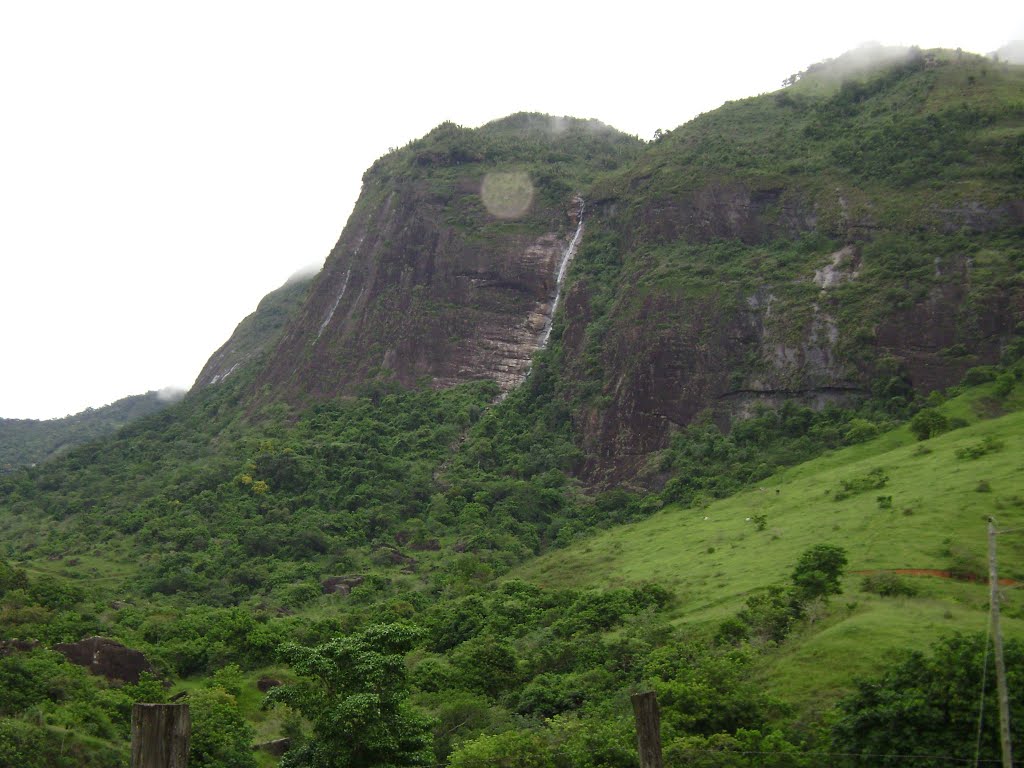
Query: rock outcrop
x=340, y=585
x=106, y=657
x=409, y=296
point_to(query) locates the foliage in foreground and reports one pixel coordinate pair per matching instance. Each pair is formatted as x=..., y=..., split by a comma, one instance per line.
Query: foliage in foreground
x=927, y=706
x=355, y=694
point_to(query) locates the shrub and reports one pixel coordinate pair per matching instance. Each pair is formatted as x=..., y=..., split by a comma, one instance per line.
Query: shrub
x=860, y=431
x=1005, y=384
x=870, y=481
x=887, y=585
x=928, y=423
x=980, y=374
x=988, y=444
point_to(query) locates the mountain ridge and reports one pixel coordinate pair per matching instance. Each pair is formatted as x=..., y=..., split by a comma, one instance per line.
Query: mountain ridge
x=766, y=232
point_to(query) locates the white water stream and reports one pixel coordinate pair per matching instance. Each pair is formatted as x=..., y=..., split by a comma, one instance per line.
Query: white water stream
x=563, y=267
x=337, y=301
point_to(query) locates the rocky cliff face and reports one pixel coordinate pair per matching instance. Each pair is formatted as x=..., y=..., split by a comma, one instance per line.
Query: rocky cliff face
x=837, y=239
x=735, y=286
x=437, y=278
x=403, y=294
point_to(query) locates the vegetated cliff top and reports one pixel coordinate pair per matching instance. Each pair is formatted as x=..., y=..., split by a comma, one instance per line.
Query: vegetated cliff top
x=578, y=146
x=876, y=116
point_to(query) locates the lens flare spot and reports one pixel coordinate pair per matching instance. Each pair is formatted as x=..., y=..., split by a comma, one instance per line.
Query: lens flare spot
x=507, y=195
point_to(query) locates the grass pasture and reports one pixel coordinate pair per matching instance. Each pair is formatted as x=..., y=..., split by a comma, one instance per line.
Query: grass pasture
x=930, y=511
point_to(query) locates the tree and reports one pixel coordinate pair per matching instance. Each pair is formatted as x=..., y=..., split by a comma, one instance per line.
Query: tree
x=928, y=705
x=928, y=423
x=221, y=738
x=354, y=693
x=818, y=571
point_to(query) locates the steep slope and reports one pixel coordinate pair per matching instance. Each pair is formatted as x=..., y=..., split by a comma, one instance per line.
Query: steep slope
x=850, y=235
x=447, y=270
x=257, y=333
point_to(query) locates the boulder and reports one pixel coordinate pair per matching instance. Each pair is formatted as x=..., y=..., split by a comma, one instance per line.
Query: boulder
x=7, y=647
x=106, y=657
x=265, y=683
x=392, y=556
x=340, y=585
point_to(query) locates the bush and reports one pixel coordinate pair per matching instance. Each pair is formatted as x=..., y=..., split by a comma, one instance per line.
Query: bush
x=869, y=481
x=887, y=585
x=860, y=431
x=980, y=374
x=988, y=445
x=928, y=423
x=1005, y=384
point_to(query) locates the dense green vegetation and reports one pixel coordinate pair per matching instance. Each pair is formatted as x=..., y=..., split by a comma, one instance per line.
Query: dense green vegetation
x=429, y=496
x=31, y=441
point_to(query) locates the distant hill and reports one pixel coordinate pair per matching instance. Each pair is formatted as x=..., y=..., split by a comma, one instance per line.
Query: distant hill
x=24, y=442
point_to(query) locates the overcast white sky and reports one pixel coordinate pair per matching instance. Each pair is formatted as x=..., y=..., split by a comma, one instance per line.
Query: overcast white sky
x=165, y=165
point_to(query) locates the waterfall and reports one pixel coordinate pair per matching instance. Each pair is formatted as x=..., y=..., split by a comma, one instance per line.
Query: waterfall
x=337, y=301
x=563, y=267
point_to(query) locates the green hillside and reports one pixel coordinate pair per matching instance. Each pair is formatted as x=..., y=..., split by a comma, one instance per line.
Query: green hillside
x=930, y=514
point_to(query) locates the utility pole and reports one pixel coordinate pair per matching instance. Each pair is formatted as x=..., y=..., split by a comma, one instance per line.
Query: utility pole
x=997, y=644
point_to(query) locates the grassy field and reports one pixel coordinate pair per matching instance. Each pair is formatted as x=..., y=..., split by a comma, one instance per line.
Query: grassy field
x=930, y=512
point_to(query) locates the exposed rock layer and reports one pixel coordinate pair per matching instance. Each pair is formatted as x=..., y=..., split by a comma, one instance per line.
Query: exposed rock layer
x=408, y=296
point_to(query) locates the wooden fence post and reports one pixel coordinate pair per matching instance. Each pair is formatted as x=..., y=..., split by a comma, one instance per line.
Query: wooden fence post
x=648, y=729
x=160, y=735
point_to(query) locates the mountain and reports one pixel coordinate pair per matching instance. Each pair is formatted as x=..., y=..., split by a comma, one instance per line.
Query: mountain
x=567, y=416
x=854, y=233
x=446, y=271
